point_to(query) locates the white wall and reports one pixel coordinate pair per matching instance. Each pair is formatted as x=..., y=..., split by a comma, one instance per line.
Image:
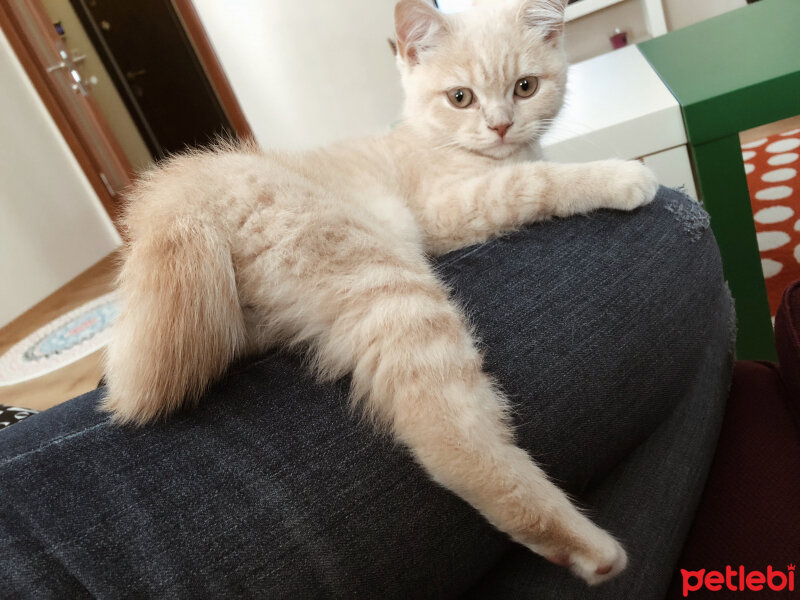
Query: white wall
x=52, y=225
x=307, y=73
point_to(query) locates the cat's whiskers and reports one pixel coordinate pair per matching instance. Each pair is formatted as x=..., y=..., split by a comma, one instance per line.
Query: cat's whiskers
x=450, y=144
x=574, y=128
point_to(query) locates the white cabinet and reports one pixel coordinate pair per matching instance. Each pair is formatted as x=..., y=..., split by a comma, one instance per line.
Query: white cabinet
x=591, y=23
x=617, y=107
x=656, y=22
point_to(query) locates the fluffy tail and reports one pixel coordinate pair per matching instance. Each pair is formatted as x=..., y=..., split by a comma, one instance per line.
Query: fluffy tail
x=180, y=325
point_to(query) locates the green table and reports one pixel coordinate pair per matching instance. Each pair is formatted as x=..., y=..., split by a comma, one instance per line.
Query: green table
x=730, y=73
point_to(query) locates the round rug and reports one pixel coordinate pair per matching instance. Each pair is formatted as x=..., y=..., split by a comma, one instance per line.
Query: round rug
x=63, y=341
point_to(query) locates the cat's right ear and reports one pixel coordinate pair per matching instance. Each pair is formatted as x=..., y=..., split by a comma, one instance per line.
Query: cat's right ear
x=546, y=17
x=419, y=27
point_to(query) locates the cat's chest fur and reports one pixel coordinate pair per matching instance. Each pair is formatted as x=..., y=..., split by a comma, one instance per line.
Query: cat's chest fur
x=372, y=179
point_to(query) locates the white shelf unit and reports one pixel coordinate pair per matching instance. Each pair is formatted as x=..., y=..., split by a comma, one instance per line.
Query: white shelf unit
x=653, y=11
x=576, y=10
x=617, y=107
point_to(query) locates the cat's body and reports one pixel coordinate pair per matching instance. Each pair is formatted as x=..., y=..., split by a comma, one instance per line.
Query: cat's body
x=238, y=250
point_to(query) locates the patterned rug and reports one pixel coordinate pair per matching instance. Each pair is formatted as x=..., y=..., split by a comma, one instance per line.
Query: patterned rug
x=63, y=341
x=772, y=168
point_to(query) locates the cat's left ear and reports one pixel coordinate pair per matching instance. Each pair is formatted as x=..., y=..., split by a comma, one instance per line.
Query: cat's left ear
x=546, y=17
x=419, y=27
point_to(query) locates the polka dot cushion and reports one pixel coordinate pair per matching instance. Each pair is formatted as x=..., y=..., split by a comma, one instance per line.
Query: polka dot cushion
x=772, y=166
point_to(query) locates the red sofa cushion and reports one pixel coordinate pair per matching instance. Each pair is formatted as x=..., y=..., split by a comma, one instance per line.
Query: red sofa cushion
x=749, y=513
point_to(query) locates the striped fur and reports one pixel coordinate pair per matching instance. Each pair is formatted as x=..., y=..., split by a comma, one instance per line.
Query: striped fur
x=236, y=250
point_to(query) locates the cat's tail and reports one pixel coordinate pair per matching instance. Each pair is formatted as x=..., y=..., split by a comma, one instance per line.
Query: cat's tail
x=180, y=324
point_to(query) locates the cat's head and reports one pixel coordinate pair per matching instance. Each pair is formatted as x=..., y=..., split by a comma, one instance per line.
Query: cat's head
x=489, y=79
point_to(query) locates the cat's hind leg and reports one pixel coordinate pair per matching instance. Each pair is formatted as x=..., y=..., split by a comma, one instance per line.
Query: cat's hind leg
x=371, y=305
x=424, y=375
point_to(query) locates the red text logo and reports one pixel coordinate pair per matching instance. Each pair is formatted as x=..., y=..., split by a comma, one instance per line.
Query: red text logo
x=738, y=580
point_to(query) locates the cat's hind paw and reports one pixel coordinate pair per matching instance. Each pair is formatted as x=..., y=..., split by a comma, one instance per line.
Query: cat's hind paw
x=601, y=563
x=588, y=551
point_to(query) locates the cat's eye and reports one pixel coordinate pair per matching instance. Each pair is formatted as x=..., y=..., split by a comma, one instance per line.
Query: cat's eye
x=526, y=86
x=460, y=97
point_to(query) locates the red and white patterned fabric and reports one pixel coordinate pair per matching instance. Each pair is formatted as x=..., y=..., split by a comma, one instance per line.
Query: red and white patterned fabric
x=772, y=165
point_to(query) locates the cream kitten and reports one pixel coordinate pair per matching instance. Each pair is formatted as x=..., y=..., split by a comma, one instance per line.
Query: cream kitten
x=237, y=250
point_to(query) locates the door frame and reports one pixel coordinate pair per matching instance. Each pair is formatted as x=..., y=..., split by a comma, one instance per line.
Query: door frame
x=70, y=130
x=213, y=68
x=72, y=134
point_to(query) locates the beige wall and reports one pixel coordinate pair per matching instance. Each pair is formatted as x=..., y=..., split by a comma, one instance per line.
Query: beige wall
x=52, y=225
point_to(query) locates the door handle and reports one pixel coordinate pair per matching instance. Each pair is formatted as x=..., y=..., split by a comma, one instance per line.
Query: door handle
x=79, y=85
x=131, y=75
x=68, y=62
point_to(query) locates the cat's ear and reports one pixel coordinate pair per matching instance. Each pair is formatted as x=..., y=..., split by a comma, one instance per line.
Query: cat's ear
x=546, y=17
x=419, y=27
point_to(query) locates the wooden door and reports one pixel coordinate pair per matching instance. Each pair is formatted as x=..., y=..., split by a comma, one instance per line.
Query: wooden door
x=147, y=52
x=55, y=76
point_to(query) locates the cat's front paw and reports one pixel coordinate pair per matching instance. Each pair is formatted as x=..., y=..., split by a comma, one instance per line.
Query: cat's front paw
x=630, y=184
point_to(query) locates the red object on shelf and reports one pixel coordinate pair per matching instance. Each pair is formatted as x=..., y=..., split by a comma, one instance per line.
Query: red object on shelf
x=619, y=39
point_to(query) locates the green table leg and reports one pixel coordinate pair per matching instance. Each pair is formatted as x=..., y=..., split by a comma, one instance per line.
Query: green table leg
x=723, y=188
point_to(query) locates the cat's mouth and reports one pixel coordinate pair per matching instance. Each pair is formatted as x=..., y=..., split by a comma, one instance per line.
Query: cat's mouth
x=499, y=148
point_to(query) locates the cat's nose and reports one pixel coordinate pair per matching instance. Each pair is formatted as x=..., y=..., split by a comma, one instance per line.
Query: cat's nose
x=501, y=129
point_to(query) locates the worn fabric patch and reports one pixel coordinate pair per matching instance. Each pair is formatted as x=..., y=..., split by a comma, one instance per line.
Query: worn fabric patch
x=691, y=215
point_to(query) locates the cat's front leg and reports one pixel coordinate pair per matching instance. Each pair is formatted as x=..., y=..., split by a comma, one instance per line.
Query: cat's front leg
x=616, y=184
x=456, y=212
